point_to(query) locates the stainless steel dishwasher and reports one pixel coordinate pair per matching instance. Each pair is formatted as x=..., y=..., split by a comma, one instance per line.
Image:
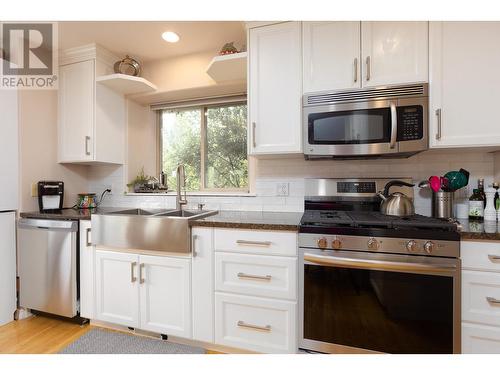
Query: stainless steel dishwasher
x=47, y=251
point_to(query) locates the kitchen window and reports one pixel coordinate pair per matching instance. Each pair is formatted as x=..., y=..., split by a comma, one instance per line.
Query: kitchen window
x=210, y=140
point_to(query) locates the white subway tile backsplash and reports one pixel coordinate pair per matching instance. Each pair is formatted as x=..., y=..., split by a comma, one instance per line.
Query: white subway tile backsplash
x=295, y=169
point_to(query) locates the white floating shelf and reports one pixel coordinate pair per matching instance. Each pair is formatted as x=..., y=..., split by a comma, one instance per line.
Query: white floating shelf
x=231, y=67
x=126, y=84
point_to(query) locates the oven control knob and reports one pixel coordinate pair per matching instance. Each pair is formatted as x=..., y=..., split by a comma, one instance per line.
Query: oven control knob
x=411, y=246
x=322, y=243
x=373, y=244
x=336, y=244
x=429, y=247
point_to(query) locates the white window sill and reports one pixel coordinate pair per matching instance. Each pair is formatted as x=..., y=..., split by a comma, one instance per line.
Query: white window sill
x=197, y=194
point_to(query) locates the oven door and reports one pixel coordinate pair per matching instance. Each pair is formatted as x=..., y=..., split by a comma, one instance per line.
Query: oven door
x=355, y=302
x=374, y=127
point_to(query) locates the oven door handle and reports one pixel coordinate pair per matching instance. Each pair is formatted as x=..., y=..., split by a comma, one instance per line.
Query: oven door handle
x=380, y=265
x=394, y=125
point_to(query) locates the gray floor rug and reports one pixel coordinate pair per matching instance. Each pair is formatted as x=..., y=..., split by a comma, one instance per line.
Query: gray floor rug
x=101, y=341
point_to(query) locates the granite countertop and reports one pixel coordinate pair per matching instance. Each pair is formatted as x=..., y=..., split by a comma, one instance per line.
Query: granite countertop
x=224, y=219
x=69, y=213
x=252, y=220
x=474, y=230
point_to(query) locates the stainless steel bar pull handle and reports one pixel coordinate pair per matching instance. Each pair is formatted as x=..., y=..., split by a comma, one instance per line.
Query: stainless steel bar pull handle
x=370, y=264
x=133, y=279
x=256, y=243
x=493, y=301
x=494, y=258
x=142, y=279
x=242, y=275
x=439, y=126
x=87, y=237
x=87, y=140
x=368, y=68
x=193, y=247
x=355, y=69
x=394, y=125
x=266, y=328
x=254, y=141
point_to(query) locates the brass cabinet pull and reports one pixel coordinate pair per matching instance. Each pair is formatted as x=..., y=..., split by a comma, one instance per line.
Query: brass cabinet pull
x=256, y=243
x=142, y=279
x=133, y=279
x=493, y=301
x=266, y=328
x=242, y=275
x=494, y=258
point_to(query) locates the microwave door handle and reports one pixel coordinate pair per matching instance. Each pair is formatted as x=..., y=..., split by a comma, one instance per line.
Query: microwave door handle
x=394, y=125
x=378, y=265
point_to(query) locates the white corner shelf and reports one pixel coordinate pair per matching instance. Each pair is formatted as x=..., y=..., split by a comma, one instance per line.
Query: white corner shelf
x=230, y=67
x=126, y=84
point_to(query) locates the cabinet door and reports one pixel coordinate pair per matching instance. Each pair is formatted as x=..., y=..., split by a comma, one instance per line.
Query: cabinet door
x=87, y=267
x=480, y=339
x=394, y=52
x=275, y=89
x=117, y=288
x=76, y=111
x=166, y=295
x=331, y=55
x=464, y=84
x=203, y=284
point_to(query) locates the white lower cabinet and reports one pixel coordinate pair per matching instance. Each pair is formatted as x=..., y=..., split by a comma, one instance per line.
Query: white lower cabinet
x=256, y=290
x=117, y=288
x=87, y=277
x=480, y=297
x=257, y=324
x=165, y=296
x=148, y=292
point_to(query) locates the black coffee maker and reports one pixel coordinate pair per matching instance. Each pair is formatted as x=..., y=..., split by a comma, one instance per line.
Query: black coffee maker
x=50, y=195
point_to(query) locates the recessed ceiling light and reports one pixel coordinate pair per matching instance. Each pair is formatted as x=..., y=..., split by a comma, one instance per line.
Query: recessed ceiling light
x=170, y=37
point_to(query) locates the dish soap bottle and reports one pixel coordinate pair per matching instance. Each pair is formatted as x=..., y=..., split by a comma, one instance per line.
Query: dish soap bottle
x=476, y=206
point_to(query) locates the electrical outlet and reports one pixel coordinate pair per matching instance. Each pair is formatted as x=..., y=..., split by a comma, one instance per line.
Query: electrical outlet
x=110, y=187
x=282, y=189
x=34, y=189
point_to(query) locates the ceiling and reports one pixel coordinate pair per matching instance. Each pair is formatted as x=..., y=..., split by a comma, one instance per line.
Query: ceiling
x=143, y=41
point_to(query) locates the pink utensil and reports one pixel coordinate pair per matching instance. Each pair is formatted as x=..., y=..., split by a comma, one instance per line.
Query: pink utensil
x=435, y=183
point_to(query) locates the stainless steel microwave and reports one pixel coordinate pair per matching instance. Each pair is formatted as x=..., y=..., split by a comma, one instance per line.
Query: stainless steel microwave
x=378, y=121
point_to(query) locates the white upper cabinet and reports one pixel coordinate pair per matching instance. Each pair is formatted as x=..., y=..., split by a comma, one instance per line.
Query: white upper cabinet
x=92, y=117
x=331, y=57
x=275, y=89
x=394, y=52
x=464, y=84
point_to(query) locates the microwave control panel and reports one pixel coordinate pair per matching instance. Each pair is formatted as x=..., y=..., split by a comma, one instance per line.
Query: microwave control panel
x=410, y=123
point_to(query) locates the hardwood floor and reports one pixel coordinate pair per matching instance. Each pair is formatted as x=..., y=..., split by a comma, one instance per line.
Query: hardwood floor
x=41, y=335
x=38, y=335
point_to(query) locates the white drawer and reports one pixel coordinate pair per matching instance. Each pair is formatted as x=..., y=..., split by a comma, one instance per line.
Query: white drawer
x=256, y=242
x=477, y=288
x=256, y=324
x=257, y=275
x=480, y=255
x=477, y=339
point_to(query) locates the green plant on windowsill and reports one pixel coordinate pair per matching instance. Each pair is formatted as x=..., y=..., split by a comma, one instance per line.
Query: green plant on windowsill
x=139, y=181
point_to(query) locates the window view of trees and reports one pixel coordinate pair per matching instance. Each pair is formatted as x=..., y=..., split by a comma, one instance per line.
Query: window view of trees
x=210, y=138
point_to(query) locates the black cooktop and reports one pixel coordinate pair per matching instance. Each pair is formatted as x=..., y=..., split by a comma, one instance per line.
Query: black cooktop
x=373, y=223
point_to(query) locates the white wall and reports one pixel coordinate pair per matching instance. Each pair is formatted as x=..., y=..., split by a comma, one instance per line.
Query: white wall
x=38, y=149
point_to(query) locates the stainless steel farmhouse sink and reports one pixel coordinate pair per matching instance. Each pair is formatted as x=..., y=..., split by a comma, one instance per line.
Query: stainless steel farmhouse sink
x=154, y=230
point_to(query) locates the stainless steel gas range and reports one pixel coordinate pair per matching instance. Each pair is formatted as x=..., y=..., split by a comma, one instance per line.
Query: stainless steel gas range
x=372, y=282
